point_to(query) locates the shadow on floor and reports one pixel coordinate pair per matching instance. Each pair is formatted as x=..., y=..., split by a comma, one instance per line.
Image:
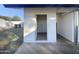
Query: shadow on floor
x=41, y=36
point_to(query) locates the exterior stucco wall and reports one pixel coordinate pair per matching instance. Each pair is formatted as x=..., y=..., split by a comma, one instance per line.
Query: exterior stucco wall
x=78, y=23
x=78, y=26
x=30, y=24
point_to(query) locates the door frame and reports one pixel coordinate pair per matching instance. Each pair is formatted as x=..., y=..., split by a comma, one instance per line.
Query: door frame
x=36, y=27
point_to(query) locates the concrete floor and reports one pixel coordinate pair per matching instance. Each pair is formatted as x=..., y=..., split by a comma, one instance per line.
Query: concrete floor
x=43, y=48
x=62, y=46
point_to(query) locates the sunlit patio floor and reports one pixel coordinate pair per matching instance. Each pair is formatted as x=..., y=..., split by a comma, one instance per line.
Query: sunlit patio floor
x=62, y=46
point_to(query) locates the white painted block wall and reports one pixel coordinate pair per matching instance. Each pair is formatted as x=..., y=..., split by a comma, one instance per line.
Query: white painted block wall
x=30, y=15
x=78, y=26
x=65, y=26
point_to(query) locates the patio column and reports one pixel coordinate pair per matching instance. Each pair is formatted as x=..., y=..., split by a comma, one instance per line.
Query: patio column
x=76, y=18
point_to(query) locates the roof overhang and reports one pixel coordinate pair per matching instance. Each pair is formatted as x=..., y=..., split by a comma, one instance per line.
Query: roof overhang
x=39, y=5
x=16, y=22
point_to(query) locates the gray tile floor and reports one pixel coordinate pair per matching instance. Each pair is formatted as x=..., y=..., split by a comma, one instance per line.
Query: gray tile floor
x=43, y=48
x=62, y=46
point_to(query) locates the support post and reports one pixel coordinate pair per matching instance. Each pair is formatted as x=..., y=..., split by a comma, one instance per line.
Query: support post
x=75, y=31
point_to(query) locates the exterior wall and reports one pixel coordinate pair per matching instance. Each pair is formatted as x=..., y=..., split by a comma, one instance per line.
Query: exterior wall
x=30, y=24
x=77, y=23
x=65, y=26
x=78, y=26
